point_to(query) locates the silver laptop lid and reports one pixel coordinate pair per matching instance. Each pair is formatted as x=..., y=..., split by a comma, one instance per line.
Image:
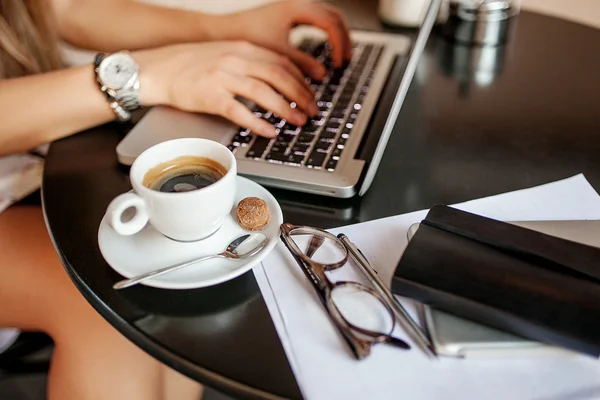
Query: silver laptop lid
x=414, y=56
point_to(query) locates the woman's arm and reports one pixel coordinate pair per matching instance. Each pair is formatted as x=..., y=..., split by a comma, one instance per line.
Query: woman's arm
x=205, y=77
x=113, y=25
x=41, y=108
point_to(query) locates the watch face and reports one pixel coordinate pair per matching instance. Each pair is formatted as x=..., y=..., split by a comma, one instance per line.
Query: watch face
x=116, y=70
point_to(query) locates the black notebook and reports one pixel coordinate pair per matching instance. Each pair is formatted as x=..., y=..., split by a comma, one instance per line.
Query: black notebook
x=524, y=282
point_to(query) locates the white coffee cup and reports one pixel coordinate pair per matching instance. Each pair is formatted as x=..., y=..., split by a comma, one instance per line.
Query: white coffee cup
x=409, y=13
x=183, y=216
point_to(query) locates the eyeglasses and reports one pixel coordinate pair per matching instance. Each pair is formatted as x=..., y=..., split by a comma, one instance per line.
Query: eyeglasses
x=362, y=316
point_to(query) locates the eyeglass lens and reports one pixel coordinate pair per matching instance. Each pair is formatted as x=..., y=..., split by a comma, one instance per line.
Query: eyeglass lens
x=324, y=251
x=362, y=309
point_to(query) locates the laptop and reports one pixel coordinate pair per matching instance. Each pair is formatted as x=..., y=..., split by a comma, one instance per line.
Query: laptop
x=336, y=153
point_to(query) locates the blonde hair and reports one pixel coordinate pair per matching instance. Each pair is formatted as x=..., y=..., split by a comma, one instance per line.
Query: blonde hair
x=28, y=38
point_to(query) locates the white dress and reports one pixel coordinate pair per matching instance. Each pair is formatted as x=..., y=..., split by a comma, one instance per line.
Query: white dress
x=20, y=175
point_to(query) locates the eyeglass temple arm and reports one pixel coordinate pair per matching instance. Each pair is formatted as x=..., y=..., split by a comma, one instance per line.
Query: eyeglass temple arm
x=314, y=244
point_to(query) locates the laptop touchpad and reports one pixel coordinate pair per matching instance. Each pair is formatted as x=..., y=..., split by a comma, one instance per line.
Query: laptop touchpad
x=164, y=123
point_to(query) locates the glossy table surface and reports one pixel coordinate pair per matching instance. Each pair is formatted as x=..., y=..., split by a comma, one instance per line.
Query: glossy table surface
x=472, y=125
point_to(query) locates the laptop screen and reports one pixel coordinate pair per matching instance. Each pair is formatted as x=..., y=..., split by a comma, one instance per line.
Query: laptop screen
x=414, y=55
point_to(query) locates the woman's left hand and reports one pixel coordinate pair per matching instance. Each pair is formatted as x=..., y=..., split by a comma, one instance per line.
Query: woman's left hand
x=269, y=26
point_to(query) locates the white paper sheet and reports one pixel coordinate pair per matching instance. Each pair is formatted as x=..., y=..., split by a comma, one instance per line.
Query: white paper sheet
x=325, y=368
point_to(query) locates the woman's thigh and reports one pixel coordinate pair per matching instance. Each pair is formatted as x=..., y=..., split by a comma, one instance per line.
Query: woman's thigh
x=35, y=291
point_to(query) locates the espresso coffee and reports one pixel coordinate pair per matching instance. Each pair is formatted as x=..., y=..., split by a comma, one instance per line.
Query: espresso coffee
x=184, y=174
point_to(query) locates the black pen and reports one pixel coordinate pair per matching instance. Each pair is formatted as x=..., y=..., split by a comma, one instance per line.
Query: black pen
x=373, y=276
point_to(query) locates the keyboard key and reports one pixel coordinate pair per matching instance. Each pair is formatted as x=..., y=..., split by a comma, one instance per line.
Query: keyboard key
x=326, y=97
x=309, y=130
x=334, y=122
x=278, y=148
x=329, y=133
x=272, y=119
x=345, y=97
x=316, y=159
x=289, y=127
x=295, y=159
x=336, y=152
x=331, y=164
x=281, y=157
x=344, y=103
x=313, y=125
x=242, y=138
x=367, y=50
x=305, y=138
x=281, y=145
x=300, y=148
x=307, y=46
x=336, y=77
x=322, y=146
x=339, y=112
x=258, y=147
x=318, y=49
x=259, y=109
x=284, y=138
x=290, y=133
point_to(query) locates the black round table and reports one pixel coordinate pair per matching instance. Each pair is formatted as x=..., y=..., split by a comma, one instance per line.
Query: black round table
x=467, y=129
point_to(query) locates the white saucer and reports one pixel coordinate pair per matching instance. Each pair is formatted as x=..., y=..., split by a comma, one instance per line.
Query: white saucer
x=149, y=250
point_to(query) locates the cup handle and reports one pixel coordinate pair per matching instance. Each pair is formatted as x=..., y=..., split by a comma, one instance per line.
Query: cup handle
x=119, y=205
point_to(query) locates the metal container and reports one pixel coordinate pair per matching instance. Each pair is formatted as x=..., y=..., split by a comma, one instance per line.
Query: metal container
x=480, y=22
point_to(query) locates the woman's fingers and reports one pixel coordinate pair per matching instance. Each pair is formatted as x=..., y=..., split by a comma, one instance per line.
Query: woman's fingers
x=321, y=17
x=265, y=96
x=228, y=107
x=280, y=79
x=343, y=26
x=257, y=53
x=307, y=63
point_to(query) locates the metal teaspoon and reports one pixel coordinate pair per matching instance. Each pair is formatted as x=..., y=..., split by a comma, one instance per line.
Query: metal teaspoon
x=234, y=251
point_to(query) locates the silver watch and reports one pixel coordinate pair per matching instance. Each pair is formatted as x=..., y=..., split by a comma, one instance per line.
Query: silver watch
x=118, y=77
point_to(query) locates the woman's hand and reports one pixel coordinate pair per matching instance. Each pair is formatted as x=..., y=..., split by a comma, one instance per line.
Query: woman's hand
x=208, y=78
x=269, y=26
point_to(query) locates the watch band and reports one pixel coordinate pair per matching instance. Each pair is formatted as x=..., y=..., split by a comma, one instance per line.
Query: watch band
x=122, y=114
x=128, y=98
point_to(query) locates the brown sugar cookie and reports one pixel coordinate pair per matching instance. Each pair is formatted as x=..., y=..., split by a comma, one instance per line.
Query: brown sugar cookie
x=253, y=214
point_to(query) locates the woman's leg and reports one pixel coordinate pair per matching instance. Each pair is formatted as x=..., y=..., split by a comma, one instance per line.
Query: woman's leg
x=91, y=359
x=180, y=387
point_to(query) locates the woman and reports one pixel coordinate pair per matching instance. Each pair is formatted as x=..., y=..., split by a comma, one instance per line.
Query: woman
x=187, y=60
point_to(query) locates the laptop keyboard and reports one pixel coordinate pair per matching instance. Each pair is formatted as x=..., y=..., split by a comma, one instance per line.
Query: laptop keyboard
x=340, y=96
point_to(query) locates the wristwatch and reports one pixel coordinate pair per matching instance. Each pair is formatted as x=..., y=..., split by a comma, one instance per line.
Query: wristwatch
x=117, y=75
